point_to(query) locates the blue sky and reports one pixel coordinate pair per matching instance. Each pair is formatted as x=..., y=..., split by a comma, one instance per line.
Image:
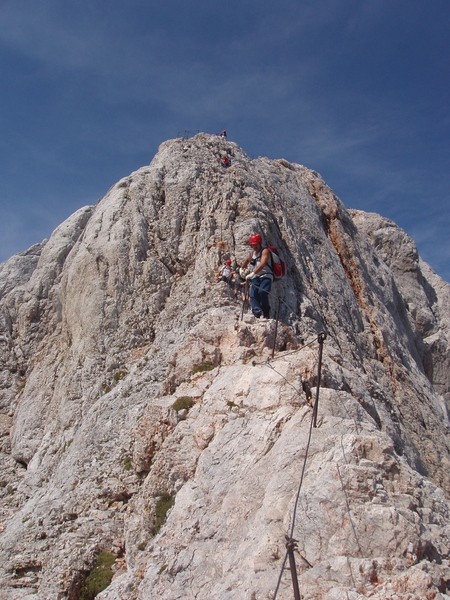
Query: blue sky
x=356, y=90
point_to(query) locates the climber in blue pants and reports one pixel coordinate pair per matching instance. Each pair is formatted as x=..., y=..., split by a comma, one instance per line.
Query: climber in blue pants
x=261, y=277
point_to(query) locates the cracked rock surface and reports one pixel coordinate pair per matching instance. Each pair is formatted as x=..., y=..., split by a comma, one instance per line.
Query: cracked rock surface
x=144, y=412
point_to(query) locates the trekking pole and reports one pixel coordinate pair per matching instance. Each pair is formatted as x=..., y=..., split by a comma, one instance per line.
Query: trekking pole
x=291, y=544
x=276, y=329
x=244, y=302
x=321, y=338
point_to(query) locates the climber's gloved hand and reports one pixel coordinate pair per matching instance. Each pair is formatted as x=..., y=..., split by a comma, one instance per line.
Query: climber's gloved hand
x=250, y=276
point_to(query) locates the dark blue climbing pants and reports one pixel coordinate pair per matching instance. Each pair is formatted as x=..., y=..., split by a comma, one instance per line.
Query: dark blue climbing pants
x=259, y=296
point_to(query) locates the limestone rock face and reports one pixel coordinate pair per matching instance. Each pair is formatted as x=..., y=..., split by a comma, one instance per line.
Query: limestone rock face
x=145, y=412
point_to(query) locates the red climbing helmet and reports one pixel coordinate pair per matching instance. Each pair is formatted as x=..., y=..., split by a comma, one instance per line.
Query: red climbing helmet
x=255, y=238
x=228, y=262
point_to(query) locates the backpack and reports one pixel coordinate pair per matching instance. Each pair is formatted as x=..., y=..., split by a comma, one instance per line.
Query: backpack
x=278, y=265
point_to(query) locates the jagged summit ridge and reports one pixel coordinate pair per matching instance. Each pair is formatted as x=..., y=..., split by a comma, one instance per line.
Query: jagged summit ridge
x=103, y=328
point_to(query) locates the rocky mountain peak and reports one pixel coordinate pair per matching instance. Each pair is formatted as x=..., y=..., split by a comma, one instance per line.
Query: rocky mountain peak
x=145, y=413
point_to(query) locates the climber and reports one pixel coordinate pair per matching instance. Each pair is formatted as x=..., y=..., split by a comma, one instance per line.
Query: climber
x=226, y=272
x=223, y=134
x=260, y=278
x=225, y=161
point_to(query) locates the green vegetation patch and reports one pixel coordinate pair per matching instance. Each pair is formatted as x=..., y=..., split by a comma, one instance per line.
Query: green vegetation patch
x=119, y=375
x=202, y=367
x=100, y=576
x=164, y=504
x=127, y=463
x=183, y=402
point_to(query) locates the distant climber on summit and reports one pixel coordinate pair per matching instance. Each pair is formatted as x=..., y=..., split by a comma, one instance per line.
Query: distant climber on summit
x=261, y=277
